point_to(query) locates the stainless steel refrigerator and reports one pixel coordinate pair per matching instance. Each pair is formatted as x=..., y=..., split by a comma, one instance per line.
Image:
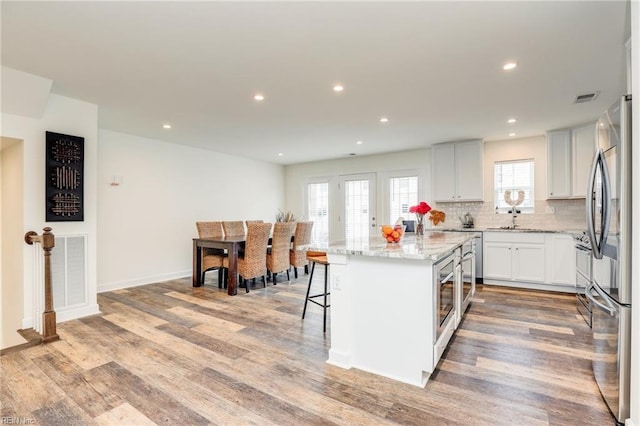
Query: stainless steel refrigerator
x=609, y=229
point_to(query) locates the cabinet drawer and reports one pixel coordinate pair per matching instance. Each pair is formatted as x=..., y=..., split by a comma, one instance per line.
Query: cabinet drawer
x=514, y=237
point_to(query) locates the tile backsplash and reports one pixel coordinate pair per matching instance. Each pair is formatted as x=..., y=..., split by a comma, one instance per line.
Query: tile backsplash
x=569, y=215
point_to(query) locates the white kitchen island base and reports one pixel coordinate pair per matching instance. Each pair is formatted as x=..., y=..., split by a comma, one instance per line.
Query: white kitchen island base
x=383, y=311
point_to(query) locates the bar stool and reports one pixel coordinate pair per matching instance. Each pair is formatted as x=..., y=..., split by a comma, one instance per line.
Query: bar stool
x=321, y=258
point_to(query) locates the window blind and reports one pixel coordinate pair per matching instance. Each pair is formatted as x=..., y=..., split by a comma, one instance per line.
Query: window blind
x=514, y=176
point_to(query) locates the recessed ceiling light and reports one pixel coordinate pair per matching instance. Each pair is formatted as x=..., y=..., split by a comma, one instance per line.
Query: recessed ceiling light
x=384, y=120
x=511, y=120
x=166, y=126
x=359, y=143
x=258, y=97
x=509, y=66
x=338, y=88
x=280, y=154
x=512, y=134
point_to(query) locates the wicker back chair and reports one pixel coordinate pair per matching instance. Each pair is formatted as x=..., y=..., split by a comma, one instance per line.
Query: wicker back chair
x=247, y=222
x=211, y=258
x=278, y=257
x=298, y=257
x=233, y=229
x=254, y=262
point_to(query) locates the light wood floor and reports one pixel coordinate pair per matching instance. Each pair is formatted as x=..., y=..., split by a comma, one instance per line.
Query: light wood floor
x=169, y=353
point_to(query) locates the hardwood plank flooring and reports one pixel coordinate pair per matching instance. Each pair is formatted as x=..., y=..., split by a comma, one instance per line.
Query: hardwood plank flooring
x=168, y=353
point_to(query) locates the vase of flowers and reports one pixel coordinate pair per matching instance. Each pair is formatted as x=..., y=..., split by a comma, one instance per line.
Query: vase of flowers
x=420, y=210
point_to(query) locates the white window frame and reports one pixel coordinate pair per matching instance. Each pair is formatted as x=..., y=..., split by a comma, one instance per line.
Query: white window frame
x=405, y=215
x=528, y=206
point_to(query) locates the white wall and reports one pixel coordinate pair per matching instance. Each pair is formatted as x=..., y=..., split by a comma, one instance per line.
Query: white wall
x=569, y=214
x=298, y=175
x=61, y=115
x=517, y=149
x=11, y=242
x=147, y=222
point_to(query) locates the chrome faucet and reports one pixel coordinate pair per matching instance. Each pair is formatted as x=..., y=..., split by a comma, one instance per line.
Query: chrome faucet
x=513, y=218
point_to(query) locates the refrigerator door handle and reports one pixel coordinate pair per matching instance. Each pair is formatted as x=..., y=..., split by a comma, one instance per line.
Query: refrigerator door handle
x=609, y=308
x=606, y=203
x=598, y=245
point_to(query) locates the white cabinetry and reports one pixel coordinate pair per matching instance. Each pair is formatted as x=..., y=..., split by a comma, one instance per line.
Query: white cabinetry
x=569, y=154
x=514, y=256
x=558, y=164
x=561, y=259
x=457, y=171
x=530, y=259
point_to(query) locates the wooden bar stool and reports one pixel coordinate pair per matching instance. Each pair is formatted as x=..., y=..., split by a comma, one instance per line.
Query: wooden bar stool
x=321, y=258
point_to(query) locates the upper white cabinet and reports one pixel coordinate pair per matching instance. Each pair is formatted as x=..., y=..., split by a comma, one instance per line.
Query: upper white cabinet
x=569, y=154
x=558, y=164
x=457, y=171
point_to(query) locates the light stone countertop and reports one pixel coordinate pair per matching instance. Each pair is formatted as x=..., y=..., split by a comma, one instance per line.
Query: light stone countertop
x=432, y=246
x=517, y=229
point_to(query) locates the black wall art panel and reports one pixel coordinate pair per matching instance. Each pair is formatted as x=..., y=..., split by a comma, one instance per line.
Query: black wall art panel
x=64, y=178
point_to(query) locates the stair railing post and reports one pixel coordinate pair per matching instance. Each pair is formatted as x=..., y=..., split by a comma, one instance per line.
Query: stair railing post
x=47, y=240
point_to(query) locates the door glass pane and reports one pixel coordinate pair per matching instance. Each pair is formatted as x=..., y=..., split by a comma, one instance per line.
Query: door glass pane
x=318, y=210
x=356, y=209
x=403, y=193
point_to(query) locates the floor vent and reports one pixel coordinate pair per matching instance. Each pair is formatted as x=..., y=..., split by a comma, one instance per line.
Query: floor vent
x=587, y=97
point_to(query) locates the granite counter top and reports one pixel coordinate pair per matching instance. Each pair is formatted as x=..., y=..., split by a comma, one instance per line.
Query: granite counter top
x=432, y=246
x=523, y=229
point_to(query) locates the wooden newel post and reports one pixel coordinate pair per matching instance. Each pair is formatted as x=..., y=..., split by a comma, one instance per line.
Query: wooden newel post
x=47, y=240
x=49, y=315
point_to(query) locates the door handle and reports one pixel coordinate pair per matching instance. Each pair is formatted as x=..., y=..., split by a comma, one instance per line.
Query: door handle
x=608, y=309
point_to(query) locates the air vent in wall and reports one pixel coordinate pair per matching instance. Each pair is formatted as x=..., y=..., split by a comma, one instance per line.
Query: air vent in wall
x=588, y=97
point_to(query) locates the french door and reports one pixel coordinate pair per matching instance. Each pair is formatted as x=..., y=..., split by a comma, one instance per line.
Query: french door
x=357, y=210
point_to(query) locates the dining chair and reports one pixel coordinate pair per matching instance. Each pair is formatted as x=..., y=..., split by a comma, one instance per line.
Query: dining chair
x=247, y=222
x=253, y=263
x=211, y=258
x=298, y=257
x=321, y=258
x=233, y=228
x=278, y=254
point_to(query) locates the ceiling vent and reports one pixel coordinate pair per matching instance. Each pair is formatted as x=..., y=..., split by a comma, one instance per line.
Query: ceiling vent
x=588, y=97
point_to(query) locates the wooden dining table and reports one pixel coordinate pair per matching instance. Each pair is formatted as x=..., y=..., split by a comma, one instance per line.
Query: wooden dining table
x=231, y=244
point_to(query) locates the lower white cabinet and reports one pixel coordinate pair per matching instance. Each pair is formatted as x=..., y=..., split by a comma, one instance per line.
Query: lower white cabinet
x=513, y=256
x=561, y=259
x=529, y=259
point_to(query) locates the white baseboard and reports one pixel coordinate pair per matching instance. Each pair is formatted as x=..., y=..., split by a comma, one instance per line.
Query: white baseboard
x=67, y=314
x=533, y=286
x=142, y=281
x=75, y=313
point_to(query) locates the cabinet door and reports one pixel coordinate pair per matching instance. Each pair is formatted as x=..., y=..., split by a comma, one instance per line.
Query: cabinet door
x=561, y=260
x=584, y=145
x=443, y=172
x=497, y=261
x=469, y=171
x=528, y=262
x=559, y=164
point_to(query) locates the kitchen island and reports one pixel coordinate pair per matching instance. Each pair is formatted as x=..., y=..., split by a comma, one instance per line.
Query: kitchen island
x=388, y=314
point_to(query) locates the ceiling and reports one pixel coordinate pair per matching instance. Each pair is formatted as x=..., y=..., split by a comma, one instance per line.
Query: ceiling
x=433, y=68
